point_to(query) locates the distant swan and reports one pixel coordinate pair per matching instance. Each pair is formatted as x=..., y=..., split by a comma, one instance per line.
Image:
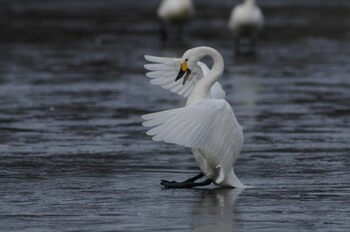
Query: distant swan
x=206, y=124
x=174, y=12
x=246, y=20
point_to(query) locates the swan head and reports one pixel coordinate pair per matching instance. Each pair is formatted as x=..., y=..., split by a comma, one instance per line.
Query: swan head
x=184, y=72
x=189, y=59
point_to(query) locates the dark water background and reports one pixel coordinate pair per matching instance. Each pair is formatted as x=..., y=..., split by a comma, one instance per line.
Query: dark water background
x=73, y=156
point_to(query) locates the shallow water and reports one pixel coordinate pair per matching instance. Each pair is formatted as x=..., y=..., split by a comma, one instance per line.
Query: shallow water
x=73, y=155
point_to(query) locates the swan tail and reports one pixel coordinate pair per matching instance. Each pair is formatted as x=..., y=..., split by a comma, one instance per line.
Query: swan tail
x=229, y=180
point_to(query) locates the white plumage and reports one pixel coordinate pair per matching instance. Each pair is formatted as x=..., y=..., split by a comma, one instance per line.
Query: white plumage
x=175, y=11
x=207, y=125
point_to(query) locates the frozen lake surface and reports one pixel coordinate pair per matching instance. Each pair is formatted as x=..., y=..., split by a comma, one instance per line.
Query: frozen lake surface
x=73, y=153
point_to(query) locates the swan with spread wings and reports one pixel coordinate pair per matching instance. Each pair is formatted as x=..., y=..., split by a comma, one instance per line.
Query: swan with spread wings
x=206, y=124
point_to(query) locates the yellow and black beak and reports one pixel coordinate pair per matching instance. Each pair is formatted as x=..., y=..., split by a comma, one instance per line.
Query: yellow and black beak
x=183, y=70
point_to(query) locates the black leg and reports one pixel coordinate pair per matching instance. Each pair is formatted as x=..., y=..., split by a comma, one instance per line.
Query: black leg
x=196, y=177
x=192, y=179
x=237, y=44
x=252, y=45
x=162, y=31
x=167, y=184
x=189, y=183
x=180, y=32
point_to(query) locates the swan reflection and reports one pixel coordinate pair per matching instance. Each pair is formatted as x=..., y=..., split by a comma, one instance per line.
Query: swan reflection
x=216, y=211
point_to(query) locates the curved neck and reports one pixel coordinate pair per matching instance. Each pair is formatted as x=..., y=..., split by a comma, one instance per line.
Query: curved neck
x=218, y=66
x=203, y=86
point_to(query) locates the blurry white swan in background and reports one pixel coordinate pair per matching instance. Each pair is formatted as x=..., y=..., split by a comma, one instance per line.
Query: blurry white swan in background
x=246, y=20
x=206, y=124
x=174, y=12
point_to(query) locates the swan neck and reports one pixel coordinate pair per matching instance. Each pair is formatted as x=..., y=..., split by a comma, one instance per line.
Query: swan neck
x=215, y=72
x=249, y=2
x=217, y=69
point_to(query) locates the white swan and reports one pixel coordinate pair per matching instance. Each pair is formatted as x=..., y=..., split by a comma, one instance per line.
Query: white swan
x=246, y=20
x=205, y=124
x=174, y=12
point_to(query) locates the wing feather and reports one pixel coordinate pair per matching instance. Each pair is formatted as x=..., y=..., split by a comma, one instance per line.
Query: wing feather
x=158, y=59
x=163, y=71
x=158, y=67
x=210, y=124
x=160, y=81
x=172, y=135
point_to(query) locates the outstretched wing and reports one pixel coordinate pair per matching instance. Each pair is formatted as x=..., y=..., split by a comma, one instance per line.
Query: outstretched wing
x=163, y=71
x=210, y=124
